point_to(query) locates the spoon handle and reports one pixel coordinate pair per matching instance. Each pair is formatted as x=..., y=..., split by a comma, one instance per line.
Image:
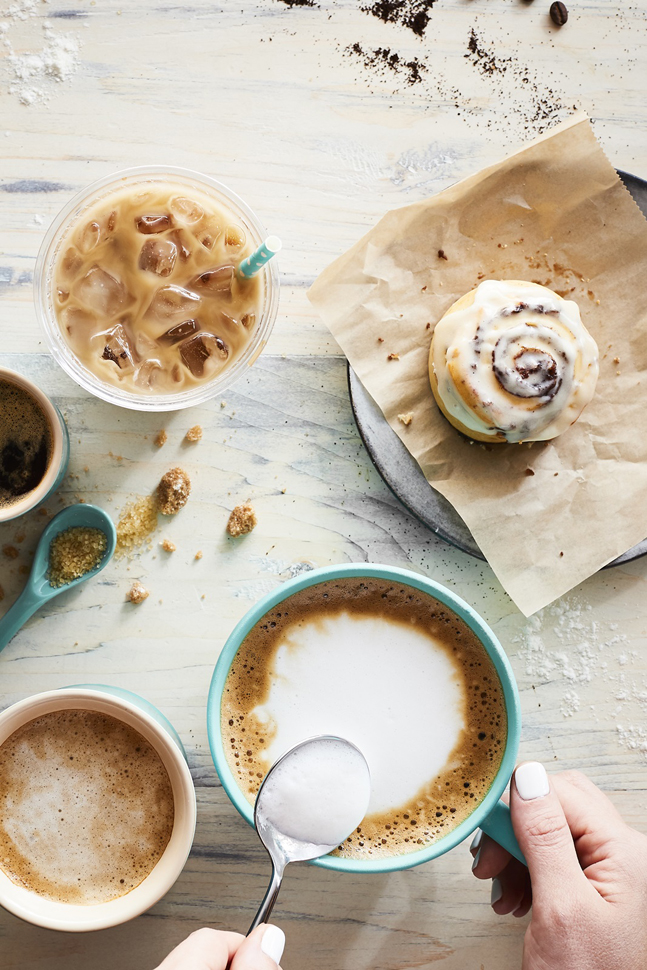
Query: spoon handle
x=24, y=607
x=270, y=897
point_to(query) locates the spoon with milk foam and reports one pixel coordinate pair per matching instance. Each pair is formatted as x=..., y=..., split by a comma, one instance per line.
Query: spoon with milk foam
x=312, y=798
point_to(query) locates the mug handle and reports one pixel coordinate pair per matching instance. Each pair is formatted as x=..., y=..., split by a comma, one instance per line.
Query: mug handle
x=498, y=825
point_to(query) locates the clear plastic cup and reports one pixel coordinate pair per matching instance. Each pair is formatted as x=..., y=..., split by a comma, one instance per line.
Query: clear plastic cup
x=44, y=288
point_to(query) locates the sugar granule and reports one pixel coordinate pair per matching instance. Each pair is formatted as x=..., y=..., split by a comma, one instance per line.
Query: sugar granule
x=74, y=552
x=137, y=593
x=136, y=524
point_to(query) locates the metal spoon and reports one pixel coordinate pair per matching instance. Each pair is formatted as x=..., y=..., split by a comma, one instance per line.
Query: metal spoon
x=37, y=590
x=284, y=848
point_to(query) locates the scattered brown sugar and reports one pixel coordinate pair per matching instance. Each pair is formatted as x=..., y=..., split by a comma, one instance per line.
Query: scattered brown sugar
x=10, y=552
x=21, y=535
x=393, y=357
x=168, y=546
x=198, y=554
x=194, y=433
x=161, y=438
x=406, y=418
x=173, y=491
x=441, y=254
x=137, y=523
x=242, y=520
x=137, y=593
x=74, y=552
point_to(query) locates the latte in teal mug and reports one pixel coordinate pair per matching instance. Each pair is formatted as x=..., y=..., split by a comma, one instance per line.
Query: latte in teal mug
x=400, y=666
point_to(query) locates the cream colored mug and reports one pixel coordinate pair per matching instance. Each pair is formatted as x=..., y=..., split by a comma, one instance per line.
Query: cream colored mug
x=149, y=722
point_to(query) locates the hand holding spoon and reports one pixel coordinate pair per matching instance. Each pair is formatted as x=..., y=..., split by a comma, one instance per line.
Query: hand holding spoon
x=309, y=803
x=38, y=589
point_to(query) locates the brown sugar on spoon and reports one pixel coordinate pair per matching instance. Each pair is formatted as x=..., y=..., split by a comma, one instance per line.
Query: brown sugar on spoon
x=242, y=520
x=173, y=491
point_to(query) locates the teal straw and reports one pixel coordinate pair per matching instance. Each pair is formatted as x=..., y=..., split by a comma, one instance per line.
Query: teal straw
x=251, y=266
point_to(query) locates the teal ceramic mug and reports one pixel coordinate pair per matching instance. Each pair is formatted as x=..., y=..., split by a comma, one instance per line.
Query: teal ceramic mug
x=491, y=814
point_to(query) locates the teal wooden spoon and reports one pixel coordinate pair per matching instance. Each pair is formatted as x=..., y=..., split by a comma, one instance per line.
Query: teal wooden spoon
x=38, y=590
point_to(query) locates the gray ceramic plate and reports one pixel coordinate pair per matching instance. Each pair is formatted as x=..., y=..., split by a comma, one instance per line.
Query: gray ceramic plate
x=402, y=473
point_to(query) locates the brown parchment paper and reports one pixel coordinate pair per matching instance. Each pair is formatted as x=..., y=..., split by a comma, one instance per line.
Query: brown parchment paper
x=546, y=515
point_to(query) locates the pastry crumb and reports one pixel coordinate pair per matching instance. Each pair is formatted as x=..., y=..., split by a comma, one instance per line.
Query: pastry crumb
x=223, y=404
x=393, y=357
x=194, y=433
x=161, y=438
x=137, y=592
x=198, y=554
x=380, y=340
x=616, y=360
x=406, y=418
x=10, y=552
x=242, y=520
x=168, y=546
x=173, y=491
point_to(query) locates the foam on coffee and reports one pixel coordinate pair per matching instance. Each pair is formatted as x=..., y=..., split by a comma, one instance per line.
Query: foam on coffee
x=86, y=807
x=390, y=669
x=145, y=288
x=26, y=443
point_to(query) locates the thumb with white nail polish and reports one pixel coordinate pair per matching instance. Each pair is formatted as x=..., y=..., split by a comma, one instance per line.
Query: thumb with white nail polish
x=262, y=950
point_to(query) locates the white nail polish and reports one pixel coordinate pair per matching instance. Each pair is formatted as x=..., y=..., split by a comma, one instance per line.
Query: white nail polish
x=273, y=942
x=476, y=860
x=476, y=841
x=531, y=781
x=497, y=892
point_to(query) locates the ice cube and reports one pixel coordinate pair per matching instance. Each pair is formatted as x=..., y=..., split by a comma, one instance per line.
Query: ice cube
x=158, y=256
x=234, y=239
x=153, y=223
x=112, y=220
x=89, y=237
x=148, y=374
x=200, y=349
x=182, y=330
x=118, y=347
x=173, y=303
x=62, y=295
x=186, y=210
x=181, y=239
x=71, y=263
x=215, y=282
x=208, y=231
x=77, y=322
x=102, y=292
x=248, y=320
x=145, y=345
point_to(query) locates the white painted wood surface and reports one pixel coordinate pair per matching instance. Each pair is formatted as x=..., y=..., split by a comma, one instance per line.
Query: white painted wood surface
x=263, y=96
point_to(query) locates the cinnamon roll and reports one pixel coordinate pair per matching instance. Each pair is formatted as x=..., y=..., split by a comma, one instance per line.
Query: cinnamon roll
x=512, y=361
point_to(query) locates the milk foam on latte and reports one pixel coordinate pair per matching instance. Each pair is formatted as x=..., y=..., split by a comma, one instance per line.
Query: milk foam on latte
x=86, y=807
x=319, y=792
x=390, y=669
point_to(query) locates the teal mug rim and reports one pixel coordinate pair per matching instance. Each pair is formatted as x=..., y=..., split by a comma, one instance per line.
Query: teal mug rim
x=462, y=610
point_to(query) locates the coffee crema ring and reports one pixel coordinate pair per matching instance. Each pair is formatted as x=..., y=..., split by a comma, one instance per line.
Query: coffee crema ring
x=512, y=361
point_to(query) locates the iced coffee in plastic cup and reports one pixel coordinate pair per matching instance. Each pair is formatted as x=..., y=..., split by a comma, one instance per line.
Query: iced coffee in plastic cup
x=139, y=290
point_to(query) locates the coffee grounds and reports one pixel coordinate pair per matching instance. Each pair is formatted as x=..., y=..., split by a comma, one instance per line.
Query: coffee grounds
x=382, y=59
x=413, y=14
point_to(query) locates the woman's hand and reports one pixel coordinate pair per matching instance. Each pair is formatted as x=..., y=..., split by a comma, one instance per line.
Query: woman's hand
x=215, y=950
x=586, y=878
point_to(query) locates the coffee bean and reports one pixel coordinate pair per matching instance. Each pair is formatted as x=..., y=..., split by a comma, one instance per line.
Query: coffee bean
x=558, y=14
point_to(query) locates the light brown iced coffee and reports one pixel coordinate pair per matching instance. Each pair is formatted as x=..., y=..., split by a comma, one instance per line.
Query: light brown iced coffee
x=146, y=292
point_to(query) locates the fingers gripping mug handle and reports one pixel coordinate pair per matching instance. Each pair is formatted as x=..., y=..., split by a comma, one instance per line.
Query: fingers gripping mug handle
x=498, y=825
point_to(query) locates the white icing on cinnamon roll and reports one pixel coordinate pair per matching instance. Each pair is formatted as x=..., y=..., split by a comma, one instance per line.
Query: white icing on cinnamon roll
x=512, y=361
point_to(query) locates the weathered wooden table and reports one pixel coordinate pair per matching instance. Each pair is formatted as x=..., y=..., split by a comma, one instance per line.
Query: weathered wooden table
x=321, y=116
